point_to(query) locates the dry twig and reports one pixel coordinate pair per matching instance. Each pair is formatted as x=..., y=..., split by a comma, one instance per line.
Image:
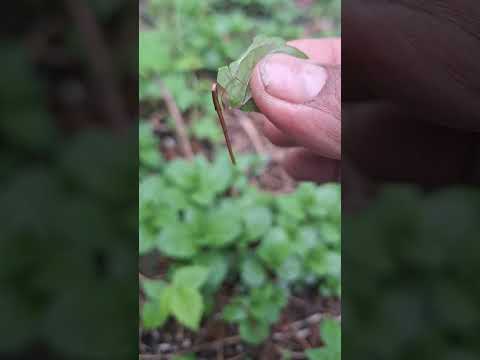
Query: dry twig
x=252, y=134
x=214, y=345
x=180, y=127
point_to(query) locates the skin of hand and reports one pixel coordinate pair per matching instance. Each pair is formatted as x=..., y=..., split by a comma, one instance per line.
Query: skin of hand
x=410, y=103
x=301, y=102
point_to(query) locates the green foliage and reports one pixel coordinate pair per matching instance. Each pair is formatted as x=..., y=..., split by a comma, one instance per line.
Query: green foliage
x=203, y=216
x=255, y=312
x=271, y=244
x=150, y=156
x=181, y=298
x=330, y=332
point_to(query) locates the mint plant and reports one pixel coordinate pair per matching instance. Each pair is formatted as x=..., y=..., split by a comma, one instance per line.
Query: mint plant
x=255, y=312
x=181, y=298
x=205, y=213
x=212, y=227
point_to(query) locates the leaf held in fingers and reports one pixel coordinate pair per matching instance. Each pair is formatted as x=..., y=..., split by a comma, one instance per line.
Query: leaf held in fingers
x=232, y=87
x=235, y=78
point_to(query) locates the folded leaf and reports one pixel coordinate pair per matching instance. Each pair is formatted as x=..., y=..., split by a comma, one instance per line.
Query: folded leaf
x=235, y=78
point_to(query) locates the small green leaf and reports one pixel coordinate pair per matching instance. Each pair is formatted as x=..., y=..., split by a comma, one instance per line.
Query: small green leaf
x=334, y=263
x=306, y=239
x=217, y=264
x=156, y=311
x=331, y=332
x=175, y=241
x=327, y=202
x=190, y=276
x=290, y=270
x=234, y=313
x=217, y=228
x=146, y=240
x=257, y=222
x=153, y=288
x=186, y=305
x=330, y=233
x=275, y=247
x=291, y=206
x=153, y=55
x=317, y=260
x=182, y=173
x=254, y=332
x=206, y=128
x=252, y=272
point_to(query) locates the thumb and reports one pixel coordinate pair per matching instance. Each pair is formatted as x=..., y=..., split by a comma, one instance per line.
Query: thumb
x=302, y=99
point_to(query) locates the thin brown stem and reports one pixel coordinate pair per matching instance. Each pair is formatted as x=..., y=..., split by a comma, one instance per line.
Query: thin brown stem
x=219, y=111
x=180, y=127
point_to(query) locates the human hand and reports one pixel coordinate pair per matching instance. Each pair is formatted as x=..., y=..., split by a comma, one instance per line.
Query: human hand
x=301, y=103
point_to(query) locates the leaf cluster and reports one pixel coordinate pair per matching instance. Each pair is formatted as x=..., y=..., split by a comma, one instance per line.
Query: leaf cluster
x=205, y=215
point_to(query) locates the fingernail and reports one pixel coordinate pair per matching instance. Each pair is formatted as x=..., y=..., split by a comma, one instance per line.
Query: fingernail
x=291, y=79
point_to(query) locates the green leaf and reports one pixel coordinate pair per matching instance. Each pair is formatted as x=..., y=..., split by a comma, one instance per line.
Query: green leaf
x=186, y=305
x=327, y=202
x=257, y=222
x=182, y=173
x=334, y=264
x=330, y=233
x=153, y=55
x=291, y=206
x=149, y=153
x=252, y=272
x=254, y=332
x=146, y=241
x=156, y=311
x=207, y=128
x=267, y=302
x=190, y=276
x=306, y=239
x=290, y=270
x=185, y=357
x=217, y=264
x=317, y=260
x=330, y=331
x=235, y=77
x=275, y=247
x=153, y=288
x=175, y=241
x=234, y=312
x=319, y=354
x=216, y=228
